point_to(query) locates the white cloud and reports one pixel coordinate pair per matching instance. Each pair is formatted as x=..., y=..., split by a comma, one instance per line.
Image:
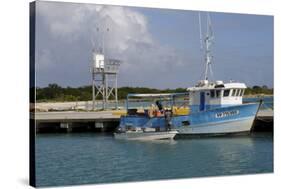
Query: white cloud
x=68, y=20
x=128, y=37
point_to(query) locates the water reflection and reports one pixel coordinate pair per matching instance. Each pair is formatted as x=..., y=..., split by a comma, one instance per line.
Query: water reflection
x=94, y=158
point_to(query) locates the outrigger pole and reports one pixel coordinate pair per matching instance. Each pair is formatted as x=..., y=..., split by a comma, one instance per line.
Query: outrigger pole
x=208, y=43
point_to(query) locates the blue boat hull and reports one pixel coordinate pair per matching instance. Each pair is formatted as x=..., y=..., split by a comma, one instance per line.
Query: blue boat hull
x=231, y=119
x=224, y=127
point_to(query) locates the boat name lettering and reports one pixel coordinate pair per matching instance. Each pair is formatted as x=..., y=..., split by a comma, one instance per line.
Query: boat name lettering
x=227, y=113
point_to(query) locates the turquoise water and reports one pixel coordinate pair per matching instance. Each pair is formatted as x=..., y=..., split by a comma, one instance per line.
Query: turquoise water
x=267, y=101
x=69, y=159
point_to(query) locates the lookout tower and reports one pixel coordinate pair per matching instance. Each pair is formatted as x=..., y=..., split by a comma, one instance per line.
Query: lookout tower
x=104, y=76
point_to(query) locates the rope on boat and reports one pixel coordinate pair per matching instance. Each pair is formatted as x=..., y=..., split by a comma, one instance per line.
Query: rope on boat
x=264, y=120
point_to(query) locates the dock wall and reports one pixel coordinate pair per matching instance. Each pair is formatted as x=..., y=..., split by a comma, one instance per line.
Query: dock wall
x=108, y=121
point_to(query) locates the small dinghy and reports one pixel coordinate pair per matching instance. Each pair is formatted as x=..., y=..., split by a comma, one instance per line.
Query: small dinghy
x=145, y=134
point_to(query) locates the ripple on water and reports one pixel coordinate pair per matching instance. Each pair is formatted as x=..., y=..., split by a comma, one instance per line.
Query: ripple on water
x=66, y=159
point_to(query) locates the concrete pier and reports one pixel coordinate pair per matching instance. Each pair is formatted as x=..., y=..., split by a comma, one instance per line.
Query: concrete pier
x=71, y=121
x=107, y=121
x=264, y=121
x=75, y=116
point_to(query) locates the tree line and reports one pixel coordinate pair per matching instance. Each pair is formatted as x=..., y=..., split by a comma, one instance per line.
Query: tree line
x=54, y=92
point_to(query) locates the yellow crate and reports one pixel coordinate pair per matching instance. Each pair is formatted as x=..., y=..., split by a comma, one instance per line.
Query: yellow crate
x=181, y=110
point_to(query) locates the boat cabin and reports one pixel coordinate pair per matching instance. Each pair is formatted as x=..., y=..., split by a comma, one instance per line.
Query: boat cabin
x=155, y=105
x=205, y=95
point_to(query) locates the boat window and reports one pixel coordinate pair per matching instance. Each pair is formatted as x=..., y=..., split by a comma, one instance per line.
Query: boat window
x=233, y=92
x=218, y=93
x=212, y=93
x=242, y=92
x=238, y=94
x=226, y=92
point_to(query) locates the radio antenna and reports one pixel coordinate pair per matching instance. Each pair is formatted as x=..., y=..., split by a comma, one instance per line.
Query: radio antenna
x=200, y=31
x=208, y=42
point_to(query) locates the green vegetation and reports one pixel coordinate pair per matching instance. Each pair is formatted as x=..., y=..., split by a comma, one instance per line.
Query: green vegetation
x=54, y=92
x=257, y=90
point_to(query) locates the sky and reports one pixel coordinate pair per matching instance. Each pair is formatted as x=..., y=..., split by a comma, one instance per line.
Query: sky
x=159, y=48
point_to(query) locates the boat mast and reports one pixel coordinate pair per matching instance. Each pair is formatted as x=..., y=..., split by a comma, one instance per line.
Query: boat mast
x=208, y=43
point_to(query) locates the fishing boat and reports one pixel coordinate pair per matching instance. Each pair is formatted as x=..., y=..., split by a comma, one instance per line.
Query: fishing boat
x=208, y=108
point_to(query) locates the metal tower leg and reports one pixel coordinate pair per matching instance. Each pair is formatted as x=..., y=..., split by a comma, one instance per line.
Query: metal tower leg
x=116, y=93
x=94, y=93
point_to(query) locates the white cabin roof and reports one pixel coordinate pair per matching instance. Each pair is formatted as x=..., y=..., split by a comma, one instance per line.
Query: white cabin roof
x=208, y=86
x=235, y=85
